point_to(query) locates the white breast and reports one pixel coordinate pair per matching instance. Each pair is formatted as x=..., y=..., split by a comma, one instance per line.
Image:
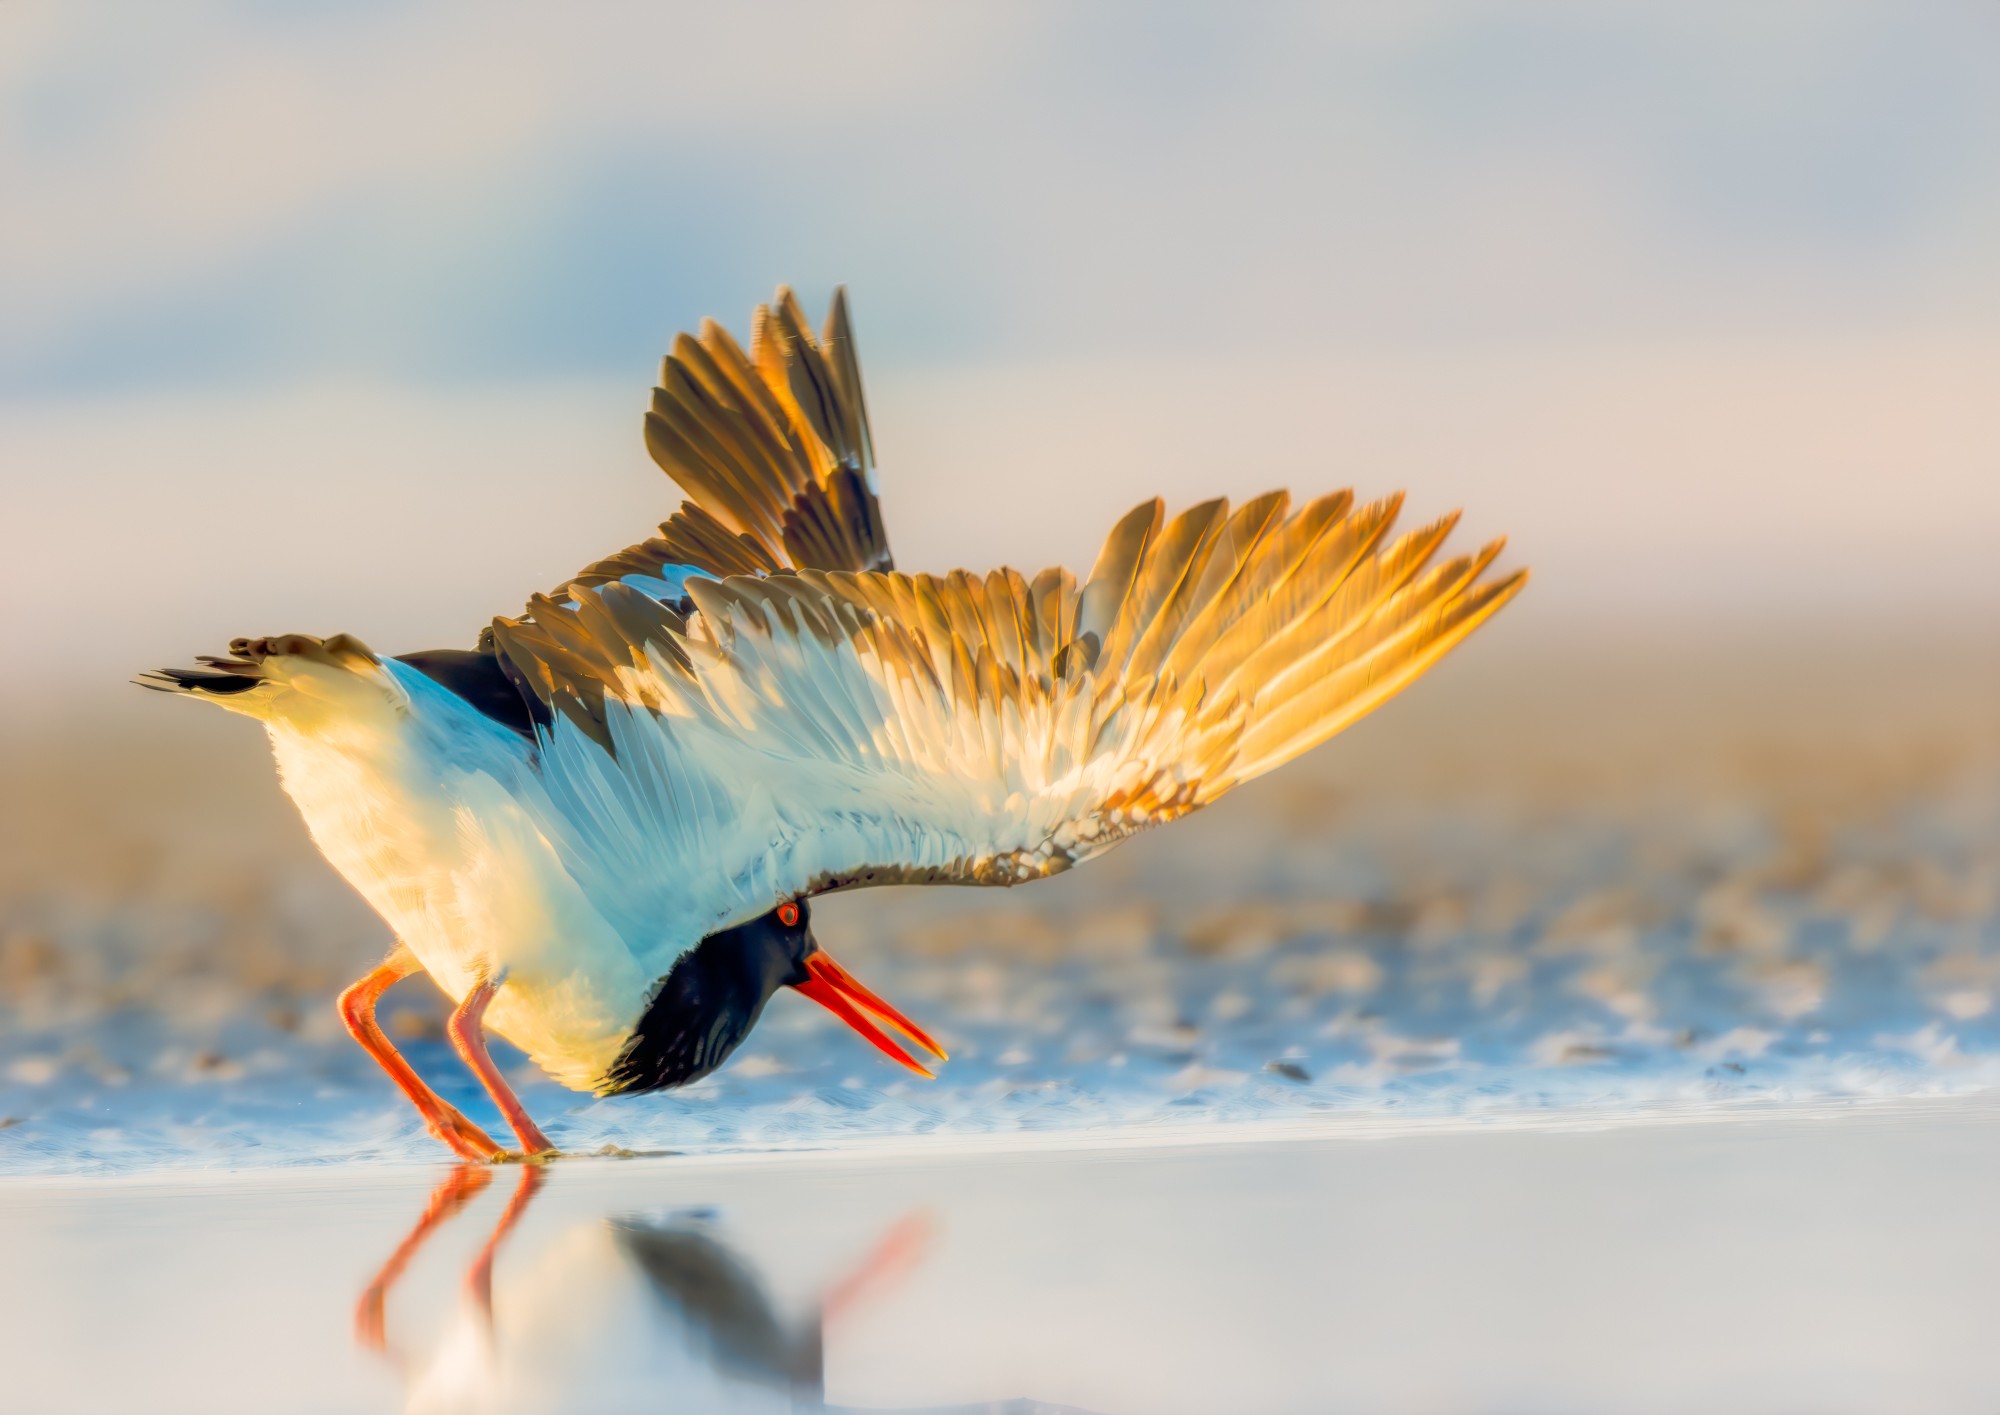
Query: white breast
x=434, y=814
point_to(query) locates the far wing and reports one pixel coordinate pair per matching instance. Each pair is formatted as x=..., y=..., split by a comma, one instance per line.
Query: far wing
x=816, y=730
x=772, y=448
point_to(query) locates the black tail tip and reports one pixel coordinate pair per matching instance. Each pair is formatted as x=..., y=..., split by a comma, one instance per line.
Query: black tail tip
x=215, y=681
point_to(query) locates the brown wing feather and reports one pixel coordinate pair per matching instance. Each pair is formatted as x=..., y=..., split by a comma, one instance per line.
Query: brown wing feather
x=772, y=448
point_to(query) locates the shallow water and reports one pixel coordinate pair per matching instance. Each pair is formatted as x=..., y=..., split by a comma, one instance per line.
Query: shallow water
x=1315, y=949
x=1834, y=1263
x=1452, y=964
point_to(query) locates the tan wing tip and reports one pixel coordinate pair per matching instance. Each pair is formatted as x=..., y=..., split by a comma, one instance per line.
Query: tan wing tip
x=1483, y=601
x=226, y=677
x=339, y=650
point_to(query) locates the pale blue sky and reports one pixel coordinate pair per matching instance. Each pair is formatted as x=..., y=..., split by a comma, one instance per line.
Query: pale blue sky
x=340, y=316
x=225, y=194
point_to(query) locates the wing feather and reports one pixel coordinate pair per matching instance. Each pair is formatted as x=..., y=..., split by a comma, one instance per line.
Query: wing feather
x=1102, y=600
x=826, y=727
x=1180, y=548
x=1361, y=585
x=1344, y=697
x=1300, y=571
x=773, y=449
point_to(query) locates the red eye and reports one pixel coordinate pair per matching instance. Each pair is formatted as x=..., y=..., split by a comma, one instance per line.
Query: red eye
x=788, y=915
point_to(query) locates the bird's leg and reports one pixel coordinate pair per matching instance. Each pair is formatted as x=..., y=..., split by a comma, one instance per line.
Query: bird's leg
x=468, y=1033
x=357, y=1010
x=458, y=1189
x=479, y=1277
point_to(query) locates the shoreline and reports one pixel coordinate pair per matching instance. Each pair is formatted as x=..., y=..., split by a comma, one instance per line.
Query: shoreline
x=1978, y=1105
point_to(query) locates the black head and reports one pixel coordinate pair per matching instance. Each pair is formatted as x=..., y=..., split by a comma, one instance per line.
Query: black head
x=706, y=1006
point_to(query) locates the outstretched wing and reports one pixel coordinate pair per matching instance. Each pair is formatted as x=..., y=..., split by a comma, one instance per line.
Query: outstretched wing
x=772, y=448
x=815, y=730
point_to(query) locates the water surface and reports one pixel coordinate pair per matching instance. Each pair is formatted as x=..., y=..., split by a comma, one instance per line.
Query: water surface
x=1831, y=1263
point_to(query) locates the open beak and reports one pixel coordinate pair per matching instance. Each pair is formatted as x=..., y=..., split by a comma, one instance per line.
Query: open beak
x=840, y=993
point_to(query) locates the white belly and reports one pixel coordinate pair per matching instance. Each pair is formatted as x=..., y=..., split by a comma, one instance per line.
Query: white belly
x=433, y=822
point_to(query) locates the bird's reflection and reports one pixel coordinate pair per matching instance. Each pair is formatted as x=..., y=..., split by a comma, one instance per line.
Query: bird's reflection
x=616, y=1314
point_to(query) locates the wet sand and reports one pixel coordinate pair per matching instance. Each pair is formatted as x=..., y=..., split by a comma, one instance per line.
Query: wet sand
x=1838, y=1262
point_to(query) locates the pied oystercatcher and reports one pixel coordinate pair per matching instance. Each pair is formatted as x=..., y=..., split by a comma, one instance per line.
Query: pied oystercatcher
x=600, y=828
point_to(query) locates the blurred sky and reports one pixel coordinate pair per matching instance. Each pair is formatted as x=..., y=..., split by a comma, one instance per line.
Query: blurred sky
x=324, y=316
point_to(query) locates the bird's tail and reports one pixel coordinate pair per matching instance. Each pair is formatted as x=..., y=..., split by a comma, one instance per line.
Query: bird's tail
x=280, y=677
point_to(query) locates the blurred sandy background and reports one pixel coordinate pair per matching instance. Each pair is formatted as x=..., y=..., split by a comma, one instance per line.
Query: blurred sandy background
x=331, y=317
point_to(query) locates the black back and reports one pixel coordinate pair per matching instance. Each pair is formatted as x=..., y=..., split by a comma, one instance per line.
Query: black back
x=487, y=682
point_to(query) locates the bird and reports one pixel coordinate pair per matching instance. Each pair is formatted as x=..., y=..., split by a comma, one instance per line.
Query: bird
x=600, y=829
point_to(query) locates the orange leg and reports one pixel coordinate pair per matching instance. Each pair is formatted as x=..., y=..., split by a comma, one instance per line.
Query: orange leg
x=458, y=1189
x=357, y=1010
x=467, y=1031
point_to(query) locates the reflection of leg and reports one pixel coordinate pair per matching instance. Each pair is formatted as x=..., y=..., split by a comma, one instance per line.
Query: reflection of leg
x=458, y=1189
x=357, y=1010
x=479, y=1277
x=468, y=1034
x=897, y=1252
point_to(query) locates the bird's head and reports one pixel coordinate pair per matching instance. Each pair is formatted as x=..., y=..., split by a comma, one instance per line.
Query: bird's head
x=717, y=990
x=812, y=972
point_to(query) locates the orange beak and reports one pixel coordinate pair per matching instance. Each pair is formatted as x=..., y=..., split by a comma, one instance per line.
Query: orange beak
x=840, y=993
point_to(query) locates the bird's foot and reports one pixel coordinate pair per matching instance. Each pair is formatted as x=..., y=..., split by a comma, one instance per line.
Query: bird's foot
x=466, y=1140
x=542, y=1156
